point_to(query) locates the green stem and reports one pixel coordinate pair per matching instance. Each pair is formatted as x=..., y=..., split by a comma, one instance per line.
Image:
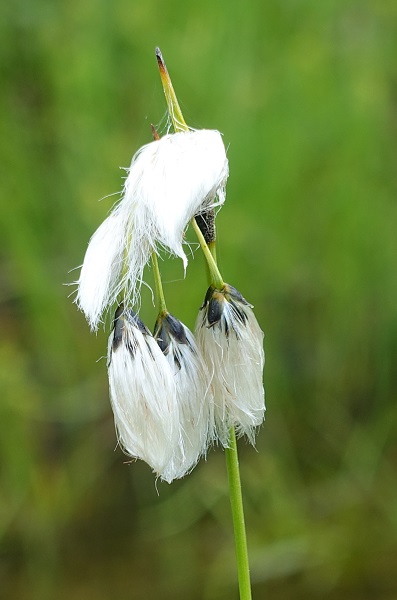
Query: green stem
x=215, y=275
x=212, y=249
x=236, y=501
x=172, y=102
x=158, y=285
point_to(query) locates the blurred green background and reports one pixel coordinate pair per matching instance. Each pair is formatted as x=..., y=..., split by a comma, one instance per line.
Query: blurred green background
x=305, y=93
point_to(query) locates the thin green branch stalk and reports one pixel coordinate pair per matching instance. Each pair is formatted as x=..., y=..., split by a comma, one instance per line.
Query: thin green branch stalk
x=236, y=502
x=214, y=273
x=212, y=249
x=158, y=285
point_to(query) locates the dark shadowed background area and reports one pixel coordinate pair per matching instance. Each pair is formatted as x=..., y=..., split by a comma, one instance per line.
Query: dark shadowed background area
x=305, y=94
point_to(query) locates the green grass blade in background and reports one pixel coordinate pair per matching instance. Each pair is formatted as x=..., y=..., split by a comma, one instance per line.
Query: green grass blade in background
x=305, y=96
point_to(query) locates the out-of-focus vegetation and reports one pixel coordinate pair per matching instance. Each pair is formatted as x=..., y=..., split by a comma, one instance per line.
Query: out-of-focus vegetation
x=306, y=96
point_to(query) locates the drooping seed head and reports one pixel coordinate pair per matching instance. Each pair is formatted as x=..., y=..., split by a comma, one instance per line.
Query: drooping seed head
x=231, y=343
x=193, y=391
x=143, y=394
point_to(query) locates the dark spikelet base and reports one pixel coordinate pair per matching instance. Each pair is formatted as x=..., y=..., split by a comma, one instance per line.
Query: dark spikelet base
x=206, y=223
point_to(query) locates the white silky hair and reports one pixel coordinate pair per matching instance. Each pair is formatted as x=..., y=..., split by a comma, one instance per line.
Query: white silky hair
x=144, y=399
x=195, y=404
x=99, y=281
x=169, y=181
x=233, y=351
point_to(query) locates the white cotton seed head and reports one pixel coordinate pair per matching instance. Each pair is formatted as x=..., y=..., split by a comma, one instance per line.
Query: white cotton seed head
x=99, y=281
x=170, y=180
x=143, y=396
x=231, y=342
x=193, y=393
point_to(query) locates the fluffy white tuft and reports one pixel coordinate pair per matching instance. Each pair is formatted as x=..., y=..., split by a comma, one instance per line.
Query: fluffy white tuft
x=193, y=392
x=170, y=181
x=99, y=281
x=143, y=397
x=231, y=342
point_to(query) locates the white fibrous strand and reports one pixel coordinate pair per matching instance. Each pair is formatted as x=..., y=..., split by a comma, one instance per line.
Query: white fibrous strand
x=170, y=180
x=194, y=396
x=142, y=393
x=100, y=277
x=231, y=343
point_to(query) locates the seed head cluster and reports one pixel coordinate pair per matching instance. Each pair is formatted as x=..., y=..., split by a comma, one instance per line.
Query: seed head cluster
x=173, y=393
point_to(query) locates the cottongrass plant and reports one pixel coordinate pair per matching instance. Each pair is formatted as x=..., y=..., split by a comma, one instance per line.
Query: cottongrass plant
x=174, y=394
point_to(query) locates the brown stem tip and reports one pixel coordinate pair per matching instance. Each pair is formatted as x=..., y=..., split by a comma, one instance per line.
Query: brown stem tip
x=160, y=60
x=155, y=133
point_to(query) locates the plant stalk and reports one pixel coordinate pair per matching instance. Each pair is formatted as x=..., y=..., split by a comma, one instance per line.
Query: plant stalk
x=158, y=285
x=215, y=275
x=236, y=502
